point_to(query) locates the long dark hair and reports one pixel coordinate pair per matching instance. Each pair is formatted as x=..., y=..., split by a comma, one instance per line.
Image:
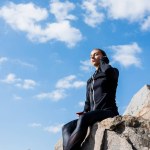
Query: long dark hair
x=104, y=54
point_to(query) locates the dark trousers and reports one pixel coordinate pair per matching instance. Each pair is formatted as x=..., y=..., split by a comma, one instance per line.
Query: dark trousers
x=75, y=131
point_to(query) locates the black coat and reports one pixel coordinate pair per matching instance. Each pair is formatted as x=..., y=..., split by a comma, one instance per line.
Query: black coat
x=101, y=89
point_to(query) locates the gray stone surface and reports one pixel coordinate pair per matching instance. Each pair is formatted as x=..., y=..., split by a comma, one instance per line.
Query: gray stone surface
x=140, y=103
x=118, y=133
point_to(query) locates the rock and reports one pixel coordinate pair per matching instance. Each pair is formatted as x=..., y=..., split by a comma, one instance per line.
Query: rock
x=140, y=103
x=118, y=133
x=59, y=146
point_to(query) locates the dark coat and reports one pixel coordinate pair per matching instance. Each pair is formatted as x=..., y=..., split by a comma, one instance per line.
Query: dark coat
x=101, y=89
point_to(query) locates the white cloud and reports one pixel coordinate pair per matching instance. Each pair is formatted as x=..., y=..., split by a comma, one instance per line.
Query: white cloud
x=61, y=10
x=85, y=65
x=92, y=15
x=133, y=10
x=22, y=63
x=61, y=86
x=22, y=83
x=81, y=104
x=146, y=24
x=54, y=128
x=126, y=55
x=28, y=18
x=55, y=95
x=69, y=82
x=11, y=78
x=35, y=125
x=3, y=59
x=23, y=16
x=17, y=98
x=27, y=84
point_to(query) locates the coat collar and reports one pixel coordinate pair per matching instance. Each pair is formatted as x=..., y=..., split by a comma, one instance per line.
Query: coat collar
x=97, y=74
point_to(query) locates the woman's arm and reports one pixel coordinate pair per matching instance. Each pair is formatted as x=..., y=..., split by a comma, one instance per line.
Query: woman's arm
x=87, y=101
x=112, y=73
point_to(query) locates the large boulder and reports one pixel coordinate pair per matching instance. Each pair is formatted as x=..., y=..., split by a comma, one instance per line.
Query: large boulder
x=140, y=103
x=118, y=133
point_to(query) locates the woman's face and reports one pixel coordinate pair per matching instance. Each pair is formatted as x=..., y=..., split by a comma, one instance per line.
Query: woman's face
x=95, y=57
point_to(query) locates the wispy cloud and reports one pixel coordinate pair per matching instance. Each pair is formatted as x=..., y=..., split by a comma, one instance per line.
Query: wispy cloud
x=127, y=55
x=146, y=24
x=35, y=125
x=29, y=17
x=22, y=83
x=3, y=59
x=55, y=95
x=81, y=103
x=16, y=62
x=27, y=84
x=85, y=65
x=54, y=128
x=93, y=16
x=17, y=98
x=22, y=63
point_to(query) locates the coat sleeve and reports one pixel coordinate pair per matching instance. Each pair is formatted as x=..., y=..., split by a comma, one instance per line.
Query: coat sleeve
x=87, y=101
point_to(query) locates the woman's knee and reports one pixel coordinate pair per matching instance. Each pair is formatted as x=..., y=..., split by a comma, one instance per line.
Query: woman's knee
x=82, y=121
x=69, y=126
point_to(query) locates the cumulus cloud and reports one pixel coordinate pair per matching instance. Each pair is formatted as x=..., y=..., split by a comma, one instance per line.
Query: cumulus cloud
x=127, y=55
x=134, y=10
x=61, y=10
x=69, y=82
x=29, y=18
x=11, y=78
x=93, y=16
x=55, y=95
x=54, y=128
x=22, y=83
x=85, y=65
x=27, y=84
x=61, y=86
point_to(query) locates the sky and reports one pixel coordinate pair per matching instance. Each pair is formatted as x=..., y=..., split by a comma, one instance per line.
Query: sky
x=44, y=62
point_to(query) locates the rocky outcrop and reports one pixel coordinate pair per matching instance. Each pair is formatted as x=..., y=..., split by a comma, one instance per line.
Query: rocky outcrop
x=119, y=133
x=128, y=132
x=140, y=103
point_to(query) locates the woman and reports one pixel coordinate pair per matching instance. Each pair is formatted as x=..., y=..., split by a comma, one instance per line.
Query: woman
x=100, y=101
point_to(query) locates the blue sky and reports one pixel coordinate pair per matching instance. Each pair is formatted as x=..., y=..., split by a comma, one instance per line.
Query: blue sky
x=44, y=62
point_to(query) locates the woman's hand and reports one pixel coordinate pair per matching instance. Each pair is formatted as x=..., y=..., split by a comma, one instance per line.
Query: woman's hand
x=80, y=113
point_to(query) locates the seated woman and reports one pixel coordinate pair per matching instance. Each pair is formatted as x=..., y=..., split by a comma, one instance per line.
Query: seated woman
x=100, y=101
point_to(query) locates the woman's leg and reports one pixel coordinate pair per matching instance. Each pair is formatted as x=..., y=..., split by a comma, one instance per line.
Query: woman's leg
x=83, y=122
x=67, y=130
